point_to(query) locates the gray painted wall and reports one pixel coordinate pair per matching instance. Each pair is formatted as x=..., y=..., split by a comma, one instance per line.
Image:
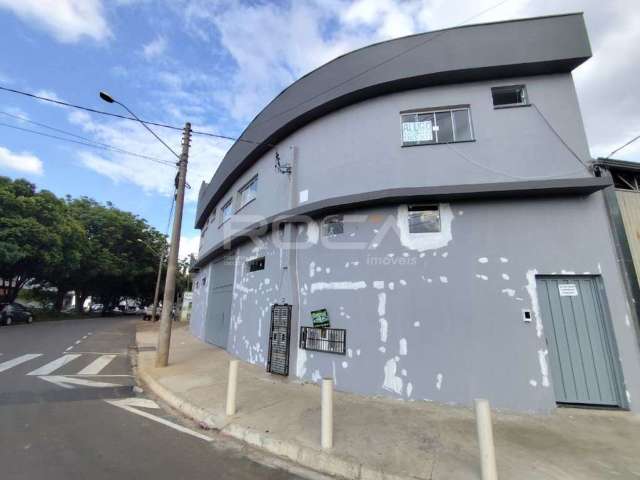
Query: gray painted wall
x=553, y=44
x=358, y=149
x=458, y=306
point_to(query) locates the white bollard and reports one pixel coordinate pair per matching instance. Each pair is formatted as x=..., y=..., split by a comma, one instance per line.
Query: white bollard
x=232, y=387
x=327, y=413
x=485, y=440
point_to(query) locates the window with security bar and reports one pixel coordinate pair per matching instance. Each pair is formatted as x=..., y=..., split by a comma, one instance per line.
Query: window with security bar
x=330, y=340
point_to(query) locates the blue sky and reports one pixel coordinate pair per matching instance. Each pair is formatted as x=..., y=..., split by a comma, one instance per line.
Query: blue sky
x=217, y=63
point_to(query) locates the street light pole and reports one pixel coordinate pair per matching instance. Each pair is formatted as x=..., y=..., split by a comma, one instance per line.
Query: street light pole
x=157, y=292
x=159, y=276
x=164, y=335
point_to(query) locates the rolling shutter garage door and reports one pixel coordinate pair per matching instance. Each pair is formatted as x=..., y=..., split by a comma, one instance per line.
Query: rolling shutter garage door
x=219, y=304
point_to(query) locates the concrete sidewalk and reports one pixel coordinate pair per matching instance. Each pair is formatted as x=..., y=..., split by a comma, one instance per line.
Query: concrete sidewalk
x=381, y=438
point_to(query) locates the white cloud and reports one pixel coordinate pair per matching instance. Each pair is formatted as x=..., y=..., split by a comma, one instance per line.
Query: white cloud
x=292, y=39
x=23, y=162
x=155, y=48
x=205, y=155
x=67, y=20
x=49, y=94
x=189, y=245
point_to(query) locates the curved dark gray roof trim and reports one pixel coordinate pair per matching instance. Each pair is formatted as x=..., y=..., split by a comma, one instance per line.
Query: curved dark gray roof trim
x=524, y=47
x=479, y=191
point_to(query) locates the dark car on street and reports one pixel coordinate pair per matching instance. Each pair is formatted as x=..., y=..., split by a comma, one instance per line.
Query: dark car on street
x=13, y=313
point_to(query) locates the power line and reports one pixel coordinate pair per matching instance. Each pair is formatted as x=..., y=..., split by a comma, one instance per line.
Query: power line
x=384, y=62
x=125, y=117
x=239, y=139
x=559, y=136
x=88, y=140
x=93, y=145
x=621, y=147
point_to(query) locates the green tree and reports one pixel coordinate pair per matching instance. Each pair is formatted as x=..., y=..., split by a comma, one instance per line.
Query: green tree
x=35, y=235
x=118, y=256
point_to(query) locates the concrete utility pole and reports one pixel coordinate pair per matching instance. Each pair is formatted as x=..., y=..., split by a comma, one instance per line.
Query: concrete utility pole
x=164, y=335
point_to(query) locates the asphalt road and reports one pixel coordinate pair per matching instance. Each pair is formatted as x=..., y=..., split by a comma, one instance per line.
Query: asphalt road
x=68, y=411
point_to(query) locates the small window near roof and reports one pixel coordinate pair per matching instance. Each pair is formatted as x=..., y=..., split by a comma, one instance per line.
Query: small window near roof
x=227, y=211
x=248, y=192
x=509, y=96
x=332, y=226
x=424, y=218
x=204, y=281
x=256, y=264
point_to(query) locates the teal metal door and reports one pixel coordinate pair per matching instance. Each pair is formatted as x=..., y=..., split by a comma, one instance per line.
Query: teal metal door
x=219, y=302
x=581, y=345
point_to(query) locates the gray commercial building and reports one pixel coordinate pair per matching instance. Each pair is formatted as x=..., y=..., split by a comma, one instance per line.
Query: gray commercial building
x=416, y=219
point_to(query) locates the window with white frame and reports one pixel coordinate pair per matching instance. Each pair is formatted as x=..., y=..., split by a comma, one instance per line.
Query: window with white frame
x=424, y=218
x=248, y=193
x=437, y=126
x=227, y=211
x=510, y=96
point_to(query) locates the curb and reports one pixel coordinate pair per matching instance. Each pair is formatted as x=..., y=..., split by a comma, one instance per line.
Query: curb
x=318, y=460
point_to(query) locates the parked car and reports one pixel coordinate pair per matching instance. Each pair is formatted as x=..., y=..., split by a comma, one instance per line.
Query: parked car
x=14, y=312
x=96, y=307
x=132, y=309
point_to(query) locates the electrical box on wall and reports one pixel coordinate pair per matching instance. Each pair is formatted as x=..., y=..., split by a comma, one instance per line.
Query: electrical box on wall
x=526, y=315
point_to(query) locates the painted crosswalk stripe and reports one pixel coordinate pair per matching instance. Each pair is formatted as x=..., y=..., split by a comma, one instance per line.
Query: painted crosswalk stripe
x=97, y=365
x=55, y=365
x=17, y=361
x=132, y=404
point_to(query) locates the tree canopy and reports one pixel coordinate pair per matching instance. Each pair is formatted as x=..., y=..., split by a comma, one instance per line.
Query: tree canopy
x=74, y=244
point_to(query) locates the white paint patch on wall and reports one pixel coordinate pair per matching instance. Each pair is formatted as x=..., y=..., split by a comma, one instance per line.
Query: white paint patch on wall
x=315, y=376
x=481, y=277
x=378, y=285
x=444, y=279
x=392, y=382
x=509, y=291
x=504, y=260
x=533, y=383
x=403, y=282
x=301, y=363
x=439, y=378
x=505, y=276
x=409, y=389
x=533, y=295
x=384, y=329
x=312, y=269
x=416, y=323
x=338, y=286
x=382, y=303
x=483, y=260
x=425, y=241
x=402, y=347
x=391, y=285
x=544, y=368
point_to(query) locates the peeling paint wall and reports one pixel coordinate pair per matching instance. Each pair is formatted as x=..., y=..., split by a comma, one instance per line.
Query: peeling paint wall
x=463, y=336
x=423, y=325
x=430, y=316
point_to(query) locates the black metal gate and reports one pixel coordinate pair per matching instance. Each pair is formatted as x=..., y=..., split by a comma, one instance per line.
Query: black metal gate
x=279, y=339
